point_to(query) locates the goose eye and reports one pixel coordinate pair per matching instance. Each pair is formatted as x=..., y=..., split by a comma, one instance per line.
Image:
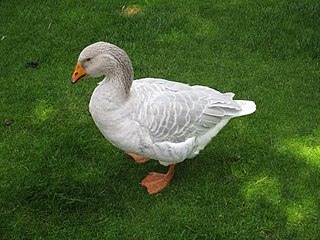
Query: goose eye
x=88, y=59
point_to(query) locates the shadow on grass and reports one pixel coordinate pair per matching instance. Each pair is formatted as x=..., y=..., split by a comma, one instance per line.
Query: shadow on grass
x=216, y=195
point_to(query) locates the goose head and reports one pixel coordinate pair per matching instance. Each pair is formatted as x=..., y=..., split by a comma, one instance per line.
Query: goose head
x=104, y=59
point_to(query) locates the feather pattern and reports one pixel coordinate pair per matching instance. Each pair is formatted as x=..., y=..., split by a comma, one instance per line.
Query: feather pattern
x=176, y=112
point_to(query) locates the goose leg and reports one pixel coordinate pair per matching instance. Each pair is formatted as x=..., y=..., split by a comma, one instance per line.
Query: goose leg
x=155, y=182
x=137, y=158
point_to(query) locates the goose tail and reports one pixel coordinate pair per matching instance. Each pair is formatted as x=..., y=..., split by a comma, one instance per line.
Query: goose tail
x=247, y=107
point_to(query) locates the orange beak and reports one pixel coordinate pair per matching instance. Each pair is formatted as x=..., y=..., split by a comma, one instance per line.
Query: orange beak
x=78, y=73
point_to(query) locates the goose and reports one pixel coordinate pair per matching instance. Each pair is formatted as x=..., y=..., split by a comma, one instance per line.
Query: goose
x=153, y=118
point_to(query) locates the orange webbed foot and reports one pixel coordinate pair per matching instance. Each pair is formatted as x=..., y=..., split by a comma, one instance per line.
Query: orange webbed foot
x=138, y=159
x=155, y=182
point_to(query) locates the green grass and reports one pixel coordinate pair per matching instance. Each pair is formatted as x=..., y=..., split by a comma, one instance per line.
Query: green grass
x=258, y=179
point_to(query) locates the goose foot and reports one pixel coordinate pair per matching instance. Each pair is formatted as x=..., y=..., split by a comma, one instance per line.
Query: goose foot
x=138, y=159
x=155, y=182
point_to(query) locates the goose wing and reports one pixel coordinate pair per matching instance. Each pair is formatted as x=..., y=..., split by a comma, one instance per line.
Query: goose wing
x=174, y=112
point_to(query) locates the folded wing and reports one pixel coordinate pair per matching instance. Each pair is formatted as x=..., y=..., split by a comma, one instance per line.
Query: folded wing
x=178, y=111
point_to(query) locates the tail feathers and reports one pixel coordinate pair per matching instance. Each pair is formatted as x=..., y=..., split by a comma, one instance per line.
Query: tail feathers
x=247, y=107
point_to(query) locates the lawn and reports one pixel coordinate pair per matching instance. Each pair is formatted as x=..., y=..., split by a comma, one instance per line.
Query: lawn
x=258, y=179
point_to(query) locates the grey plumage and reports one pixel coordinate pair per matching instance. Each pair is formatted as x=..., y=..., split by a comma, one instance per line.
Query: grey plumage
x=176, y=112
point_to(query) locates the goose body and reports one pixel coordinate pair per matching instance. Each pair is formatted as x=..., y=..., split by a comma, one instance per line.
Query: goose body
x=154, y=118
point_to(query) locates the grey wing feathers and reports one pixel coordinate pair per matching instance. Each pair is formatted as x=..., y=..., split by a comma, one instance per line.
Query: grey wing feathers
x=176, y=111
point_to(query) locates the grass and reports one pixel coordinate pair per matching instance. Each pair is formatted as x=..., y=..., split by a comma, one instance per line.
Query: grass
x=258, y=179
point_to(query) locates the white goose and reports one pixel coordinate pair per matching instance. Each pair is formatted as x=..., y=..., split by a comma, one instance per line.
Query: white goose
x=153, y=118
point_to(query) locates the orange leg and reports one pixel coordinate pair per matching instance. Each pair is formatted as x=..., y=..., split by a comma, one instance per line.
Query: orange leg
x=155, y=182
x=137, y=158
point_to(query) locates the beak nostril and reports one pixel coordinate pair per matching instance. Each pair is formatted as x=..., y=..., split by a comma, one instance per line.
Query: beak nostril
x=76, y=73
